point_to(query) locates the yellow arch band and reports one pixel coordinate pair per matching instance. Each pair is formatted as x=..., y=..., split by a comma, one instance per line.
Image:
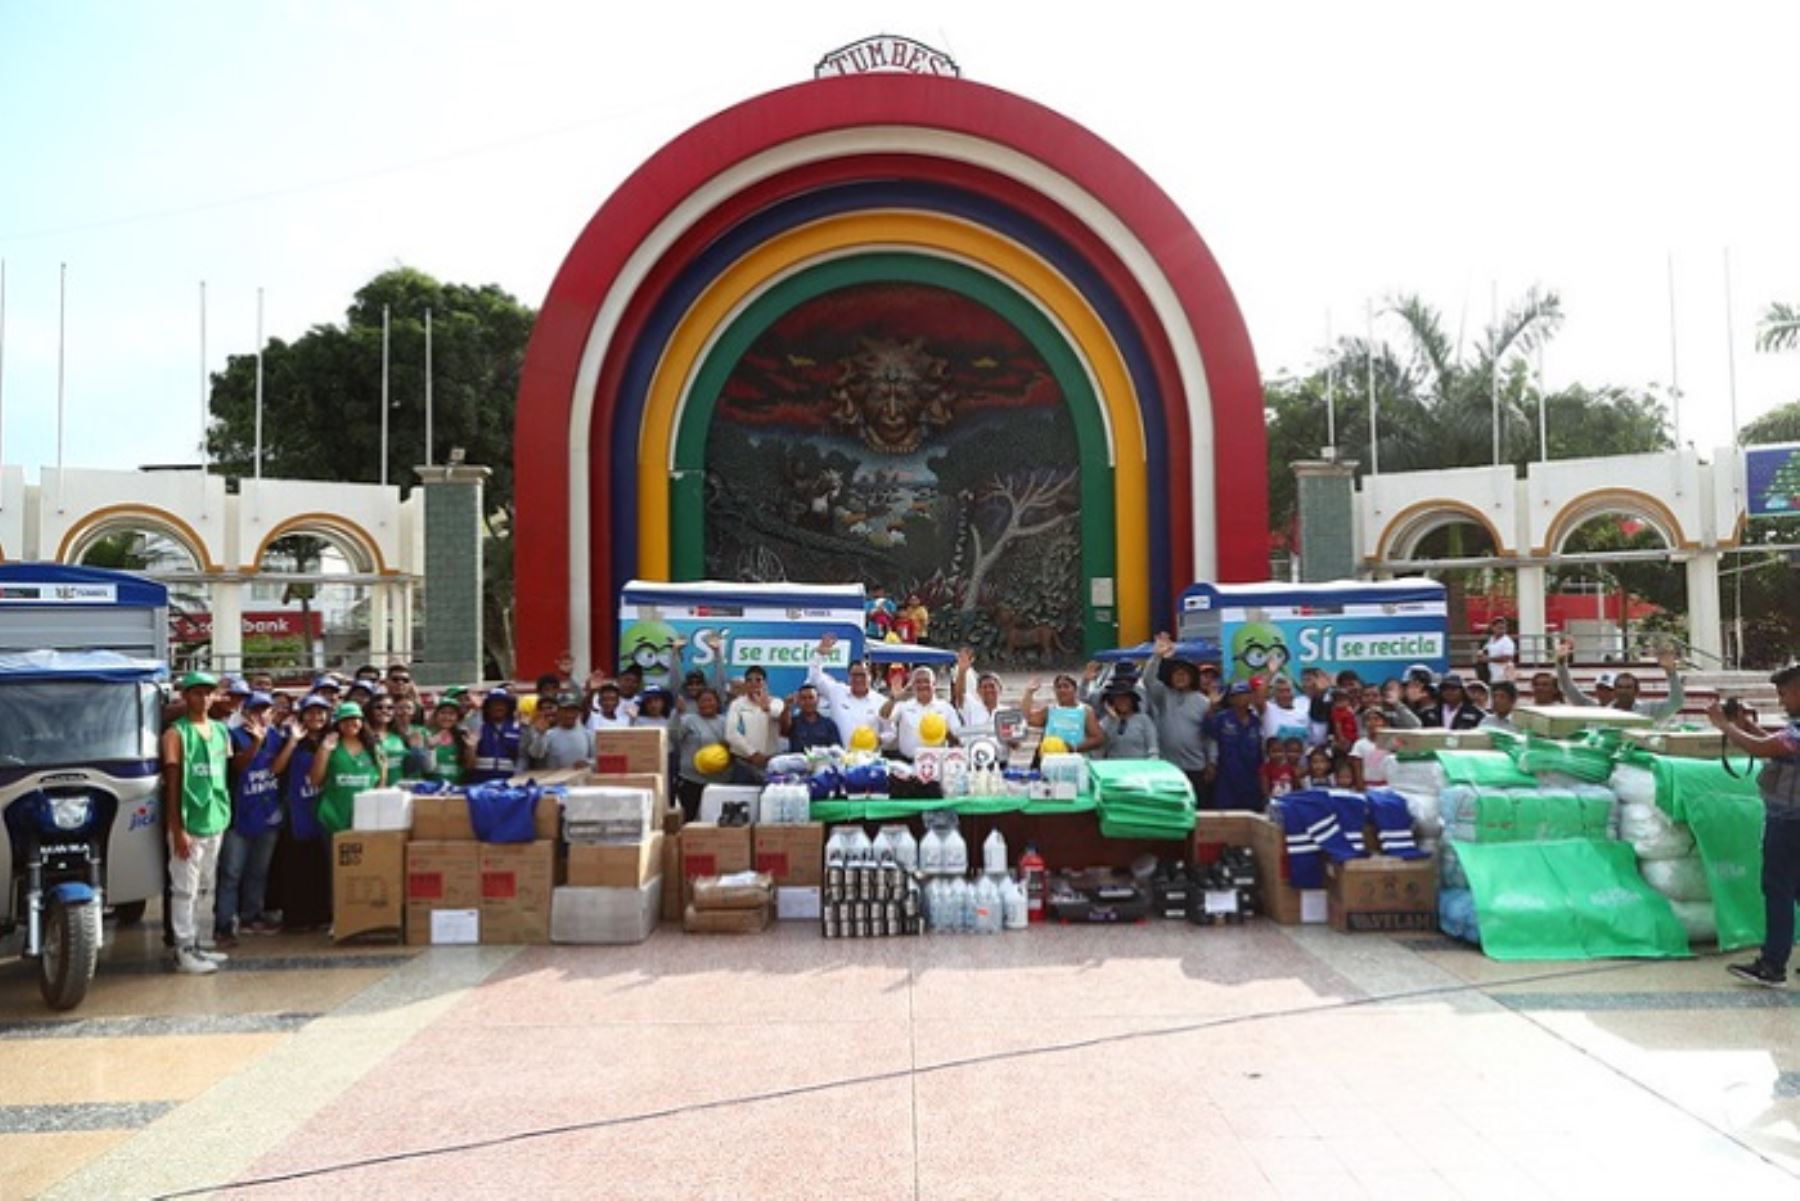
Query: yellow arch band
x=1025, y=272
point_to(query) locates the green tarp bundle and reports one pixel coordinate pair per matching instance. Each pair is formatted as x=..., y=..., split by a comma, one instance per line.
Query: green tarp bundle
x=889, y=809
x=1142, y=798
x=1726, y=816
x=1590, y=760
x=1576, y=898
x=1483, y=769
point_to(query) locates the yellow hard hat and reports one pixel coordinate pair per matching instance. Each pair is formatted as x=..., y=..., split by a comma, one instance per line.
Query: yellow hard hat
x=863, y=739
x=528, y=706
x=933, y=728
x=1054, y=746
x=892, y=638
x=712, y=759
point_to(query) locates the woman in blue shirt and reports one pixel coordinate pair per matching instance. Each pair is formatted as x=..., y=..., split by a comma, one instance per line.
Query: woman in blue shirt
x=1068, y=719
x=1236, y=735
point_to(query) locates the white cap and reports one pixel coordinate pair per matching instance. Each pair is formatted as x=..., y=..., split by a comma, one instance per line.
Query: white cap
x=1604, y=680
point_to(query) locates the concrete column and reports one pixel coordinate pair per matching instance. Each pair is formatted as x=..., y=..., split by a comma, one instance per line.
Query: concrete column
x=1327, y=506
x=403, y=620
x=1530, y=586
x=380, y=632
x=227, y=598
x=1705, y=617
x=453, y=530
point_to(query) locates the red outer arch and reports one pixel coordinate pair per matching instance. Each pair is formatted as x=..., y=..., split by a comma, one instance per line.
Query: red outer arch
x=825, y=173
x=632, y=212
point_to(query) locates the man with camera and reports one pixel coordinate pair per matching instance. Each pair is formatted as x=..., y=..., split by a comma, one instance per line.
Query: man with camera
x=1779, y=784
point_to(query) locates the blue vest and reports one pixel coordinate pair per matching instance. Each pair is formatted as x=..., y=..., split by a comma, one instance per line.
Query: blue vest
x=496, y=752
x=302, y=797
x=255, y=792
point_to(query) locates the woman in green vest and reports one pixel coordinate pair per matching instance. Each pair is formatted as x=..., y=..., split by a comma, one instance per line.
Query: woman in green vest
x=390, y=737
x=350, y=762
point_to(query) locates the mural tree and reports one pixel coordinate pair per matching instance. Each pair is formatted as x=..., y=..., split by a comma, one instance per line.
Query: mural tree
x=1033, y=503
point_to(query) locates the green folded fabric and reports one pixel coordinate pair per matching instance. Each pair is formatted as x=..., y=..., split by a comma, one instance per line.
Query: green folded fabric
x=1574, y=899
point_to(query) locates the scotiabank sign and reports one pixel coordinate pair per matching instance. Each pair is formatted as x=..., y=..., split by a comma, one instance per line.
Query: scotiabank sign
x=886, y=53
x=197, y=627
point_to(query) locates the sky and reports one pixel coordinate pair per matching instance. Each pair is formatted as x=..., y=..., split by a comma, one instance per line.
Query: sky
x=1329, y=154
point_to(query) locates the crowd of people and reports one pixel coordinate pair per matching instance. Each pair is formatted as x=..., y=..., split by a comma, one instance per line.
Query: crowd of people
x=265, y=776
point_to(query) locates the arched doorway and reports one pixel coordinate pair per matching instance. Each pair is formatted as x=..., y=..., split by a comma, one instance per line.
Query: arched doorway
x=309, y=605
x=1443, y=533
x=164, y=551
x=1629, y=594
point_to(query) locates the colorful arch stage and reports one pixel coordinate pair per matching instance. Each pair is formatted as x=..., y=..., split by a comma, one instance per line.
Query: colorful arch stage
x=811, y=199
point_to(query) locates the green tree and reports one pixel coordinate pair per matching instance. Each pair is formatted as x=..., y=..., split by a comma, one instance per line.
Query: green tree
x=1435, y=401
x=322, y=401
x=1777, y=425
x=1779, y=328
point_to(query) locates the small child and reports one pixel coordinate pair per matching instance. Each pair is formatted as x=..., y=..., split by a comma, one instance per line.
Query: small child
x=1367, y=756
x=1318, y=769
x=1344, y=730
x=1279, y=775
x=1343, y=775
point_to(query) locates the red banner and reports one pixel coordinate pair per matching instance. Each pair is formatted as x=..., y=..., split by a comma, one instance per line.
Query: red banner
x=197, y=627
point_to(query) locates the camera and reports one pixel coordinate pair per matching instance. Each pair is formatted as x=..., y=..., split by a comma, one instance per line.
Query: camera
x=1734, y=709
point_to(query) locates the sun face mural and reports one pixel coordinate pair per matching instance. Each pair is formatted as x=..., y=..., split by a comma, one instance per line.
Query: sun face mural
x=902, y=435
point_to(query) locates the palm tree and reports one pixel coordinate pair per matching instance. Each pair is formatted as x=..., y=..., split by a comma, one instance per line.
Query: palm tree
x=1780, y=328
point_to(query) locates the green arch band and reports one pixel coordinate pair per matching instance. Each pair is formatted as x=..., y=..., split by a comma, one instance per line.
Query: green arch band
x=686, y=487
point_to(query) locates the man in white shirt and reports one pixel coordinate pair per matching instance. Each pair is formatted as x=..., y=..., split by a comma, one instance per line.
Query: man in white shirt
x=1501, y=653
x=1287, y=715
x=977, y=697
x=905, y=716
x=852, y=705
x=753, y=726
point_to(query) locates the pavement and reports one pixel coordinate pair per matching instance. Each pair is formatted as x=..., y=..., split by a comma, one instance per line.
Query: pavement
x=1160, y=1060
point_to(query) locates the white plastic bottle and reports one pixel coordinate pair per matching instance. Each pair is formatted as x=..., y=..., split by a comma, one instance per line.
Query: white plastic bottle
x=962, y=904
x=1012, y=901
x=956, y=852
x=987, y=906
x=993, y=853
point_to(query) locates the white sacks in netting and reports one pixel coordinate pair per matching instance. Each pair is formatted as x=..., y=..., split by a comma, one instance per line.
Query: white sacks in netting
x=1697, y=919
x=1427, y=821
x=1635, y=785
x=1424, y=776
x=1681, y=879
x=1651, y=832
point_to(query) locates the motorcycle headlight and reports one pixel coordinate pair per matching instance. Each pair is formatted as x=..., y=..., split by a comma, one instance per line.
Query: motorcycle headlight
x=71, y=812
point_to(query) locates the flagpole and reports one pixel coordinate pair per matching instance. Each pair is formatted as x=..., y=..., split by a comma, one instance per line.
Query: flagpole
x=384, y=395
x=1374, y=432
x=1494, y=364
x=259, y=382
x=1330, y=387
x=1730, y=351
x=1674, y=363
x=62, y=312
x=1543, y=409
x=2, y=372
x=428, y=459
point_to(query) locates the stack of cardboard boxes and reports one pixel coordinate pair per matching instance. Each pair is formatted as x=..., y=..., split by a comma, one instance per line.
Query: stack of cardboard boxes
x=615, y=876
x=738, y=903
x=461, y=890
x=1377, y=893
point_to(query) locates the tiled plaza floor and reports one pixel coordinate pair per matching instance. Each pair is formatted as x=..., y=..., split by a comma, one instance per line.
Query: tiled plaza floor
x=1137, y=1062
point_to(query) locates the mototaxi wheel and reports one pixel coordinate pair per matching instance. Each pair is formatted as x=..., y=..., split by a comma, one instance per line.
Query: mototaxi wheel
x=70, y=951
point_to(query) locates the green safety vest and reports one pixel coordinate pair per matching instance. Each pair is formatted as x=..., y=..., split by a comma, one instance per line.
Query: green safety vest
x=205, y=791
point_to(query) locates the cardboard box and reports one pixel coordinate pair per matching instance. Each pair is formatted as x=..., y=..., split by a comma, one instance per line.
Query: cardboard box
x=439, y=876
x=612, y=813
x=606, y=916
x=616, y=865
x=1563, y=721
x=727, y=921
x=708, y=850
x=798, y=904
x=715, y=796
x=368, y=884
x=516, y=881
x=656, y=781
x=1425, y=741
x=674, y=893
x=1679, y=744
x=1383, y=894
x=1282, y=902
x=639, y=749
x=382, y=809
x=446, y=819
x=442, y=819
x=745, y=890
x=791, y=854
x=1226, y=827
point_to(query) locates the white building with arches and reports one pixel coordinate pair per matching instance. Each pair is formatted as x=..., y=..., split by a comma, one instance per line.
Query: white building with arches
x=229, y=547
x=1695, y=506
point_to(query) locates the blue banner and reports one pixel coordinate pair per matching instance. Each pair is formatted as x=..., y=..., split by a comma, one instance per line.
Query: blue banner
x=1772, y=480
x=1375, y=647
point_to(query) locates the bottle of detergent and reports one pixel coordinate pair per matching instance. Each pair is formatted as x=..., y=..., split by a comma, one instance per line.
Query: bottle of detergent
x=1034, y=878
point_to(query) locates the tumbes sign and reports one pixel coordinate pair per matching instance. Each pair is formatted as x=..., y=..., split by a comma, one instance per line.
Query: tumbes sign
x=886, y=53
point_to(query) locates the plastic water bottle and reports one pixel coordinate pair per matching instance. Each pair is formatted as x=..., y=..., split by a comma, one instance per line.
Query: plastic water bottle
x=987, y=907
x=962, y=903
x=993, y=853
x=1012, y=901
